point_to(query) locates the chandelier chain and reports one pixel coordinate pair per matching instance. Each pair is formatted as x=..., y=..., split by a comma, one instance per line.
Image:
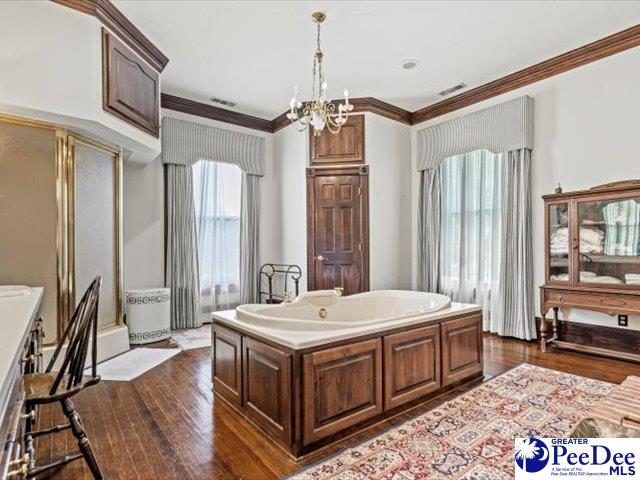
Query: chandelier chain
x=320, y=112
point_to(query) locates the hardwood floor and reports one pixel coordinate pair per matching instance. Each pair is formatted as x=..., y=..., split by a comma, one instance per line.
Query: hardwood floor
x=166, y=423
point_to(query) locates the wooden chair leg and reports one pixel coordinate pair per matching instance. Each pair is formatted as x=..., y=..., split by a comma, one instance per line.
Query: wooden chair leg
x=84, y=445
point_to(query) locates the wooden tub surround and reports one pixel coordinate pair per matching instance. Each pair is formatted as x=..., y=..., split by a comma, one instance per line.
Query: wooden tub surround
x=307, y=398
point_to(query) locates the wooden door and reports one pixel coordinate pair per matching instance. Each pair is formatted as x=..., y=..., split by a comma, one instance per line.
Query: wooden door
x=338, y=228
x=411, y=365
x=462, y=354
x=342, y=386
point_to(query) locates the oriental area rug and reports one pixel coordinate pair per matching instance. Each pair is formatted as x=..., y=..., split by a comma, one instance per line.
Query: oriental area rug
x=471, y=436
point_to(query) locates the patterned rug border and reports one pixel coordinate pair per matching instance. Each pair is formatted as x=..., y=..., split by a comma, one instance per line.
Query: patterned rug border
x=440, y=405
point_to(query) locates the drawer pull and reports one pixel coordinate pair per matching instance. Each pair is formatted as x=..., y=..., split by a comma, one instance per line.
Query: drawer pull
x=24, y=460
x=29, y=416
x=28, y=359
x=20, y=472
x=561, y=299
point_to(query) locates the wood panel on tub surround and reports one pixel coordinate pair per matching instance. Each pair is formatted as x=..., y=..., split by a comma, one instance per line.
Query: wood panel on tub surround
x=305, y=399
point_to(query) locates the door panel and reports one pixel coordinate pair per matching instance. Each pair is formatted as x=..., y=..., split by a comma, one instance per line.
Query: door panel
x=95, y=236
x=338, y=229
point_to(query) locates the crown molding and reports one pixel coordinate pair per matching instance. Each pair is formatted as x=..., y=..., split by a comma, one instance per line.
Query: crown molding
x=192, y=107
x=112, y=18
x=605, y=47
x=360, y=105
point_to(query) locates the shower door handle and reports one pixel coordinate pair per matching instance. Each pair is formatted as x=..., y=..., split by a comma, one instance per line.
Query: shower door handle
x=320, y=258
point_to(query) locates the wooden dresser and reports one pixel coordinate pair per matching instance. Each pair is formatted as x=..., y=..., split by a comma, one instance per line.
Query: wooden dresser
x=592, y=244
x=20, y=353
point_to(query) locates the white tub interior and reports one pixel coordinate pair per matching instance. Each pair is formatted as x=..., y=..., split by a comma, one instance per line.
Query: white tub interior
x=343, y=312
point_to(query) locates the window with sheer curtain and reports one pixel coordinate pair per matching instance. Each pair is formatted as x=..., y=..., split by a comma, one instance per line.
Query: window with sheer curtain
x=470, y=216
x=216, y=189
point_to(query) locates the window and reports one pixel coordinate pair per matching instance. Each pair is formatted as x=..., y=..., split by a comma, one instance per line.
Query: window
x=470, y=214
x=216, y=188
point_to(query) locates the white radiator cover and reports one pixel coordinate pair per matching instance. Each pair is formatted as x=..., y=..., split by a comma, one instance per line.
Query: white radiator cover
x=148, y=315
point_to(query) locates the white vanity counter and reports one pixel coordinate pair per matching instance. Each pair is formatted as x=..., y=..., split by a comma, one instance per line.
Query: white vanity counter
x=17, y=315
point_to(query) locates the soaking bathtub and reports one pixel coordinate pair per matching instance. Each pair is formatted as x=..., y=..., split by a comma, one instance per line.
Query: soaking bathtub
x=322, y=366
x=317, y=317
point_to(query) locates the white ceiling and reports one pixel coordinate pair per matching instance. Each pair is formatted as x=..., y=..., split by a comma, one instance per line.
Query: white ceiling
x=253, y=53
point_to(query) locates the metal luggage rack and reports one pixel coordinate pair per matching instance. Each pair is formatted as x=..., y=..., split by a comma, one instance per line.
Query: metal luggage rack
x=282, y=273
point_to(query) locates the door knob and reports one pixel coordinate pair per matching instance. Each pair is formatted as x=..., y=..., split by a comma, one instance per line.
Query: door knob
x=321, y=258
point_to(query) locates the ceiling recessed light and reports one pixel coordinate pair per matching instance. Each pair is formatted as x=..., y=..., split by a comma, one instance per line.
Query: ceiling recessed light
x=410, y=64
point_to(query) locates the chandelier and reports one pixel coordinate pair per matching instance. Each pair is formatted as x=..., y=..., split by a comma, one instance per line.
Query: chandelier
x=320, y=112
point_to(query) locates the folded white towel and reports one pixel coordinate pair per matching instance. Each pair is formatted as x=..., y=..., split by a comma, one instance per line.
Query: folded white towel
x=604, y=279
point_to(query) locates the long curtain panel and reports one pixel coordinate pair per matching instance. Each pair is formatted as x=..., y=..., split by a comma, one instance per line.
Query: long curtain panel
x=515, y=305
x=181, y=269
x=249, y=238
x=470, y=241
x=216, y=192
x=429, y=230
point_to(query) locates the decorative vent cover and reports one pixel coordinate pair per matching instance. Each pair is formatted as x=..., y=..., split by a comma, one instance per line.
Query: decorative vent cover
x=220, y=101
x=446, y=92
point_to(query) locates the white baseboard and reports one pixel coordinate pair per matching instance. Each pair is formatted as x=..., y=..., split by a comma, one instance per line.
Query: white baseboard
x=111, y=342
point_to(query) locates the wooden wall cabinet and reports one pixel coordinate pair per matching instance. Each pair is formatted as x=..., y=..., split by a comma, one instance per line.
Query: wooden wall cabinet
x=342, y=387
x=266, y=374
x=411, y=365
x=592, y=262
x=130, y=87
x=227, y=363
x=345, y=147
x=462, y=354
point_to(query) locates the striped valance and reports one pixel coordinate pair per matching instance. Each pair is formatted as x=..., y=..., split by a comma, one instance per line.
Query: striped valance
x=184, y=143
x=501, y=128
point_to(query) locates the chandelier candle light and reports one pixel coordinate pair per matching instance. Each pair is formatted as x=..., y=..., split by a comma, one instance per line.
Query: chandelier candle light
x=320, y=111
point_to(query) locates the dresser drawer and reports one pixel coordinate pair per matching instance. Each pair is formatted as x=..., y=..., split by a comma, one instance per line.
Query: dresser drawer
x=606, y=303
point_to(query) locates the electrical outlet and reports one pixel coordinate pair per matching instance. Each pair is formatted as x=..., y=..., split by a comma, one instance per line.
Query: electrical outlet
x=623, y=320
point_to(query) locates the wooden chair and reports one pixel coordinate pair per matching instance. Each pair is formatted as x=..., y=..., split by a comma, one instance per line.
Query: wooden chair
x=60, y=386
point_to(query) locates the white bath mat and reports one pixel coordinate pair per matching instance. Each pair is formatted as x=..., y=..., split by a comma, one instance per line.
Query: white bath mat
x=134, y=363
x=192, y=338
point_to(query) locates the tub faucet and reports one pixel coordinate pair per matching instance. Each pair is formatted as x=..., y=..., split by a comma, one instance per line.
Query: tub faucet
x=339, y=291
x=287, y=297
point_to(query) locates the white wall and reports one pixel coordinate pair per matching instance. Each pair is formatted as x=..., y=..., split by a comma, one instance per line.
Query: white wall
x=388, y=154
x=143, y=219
x=51, y=64
x=290, y=154
x=585, y=134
